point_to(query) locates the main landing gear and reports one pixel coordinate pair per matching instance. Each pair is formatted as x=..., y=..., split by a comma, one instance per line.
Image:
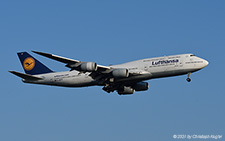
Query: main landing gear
x=108, y=88
x=189, y=79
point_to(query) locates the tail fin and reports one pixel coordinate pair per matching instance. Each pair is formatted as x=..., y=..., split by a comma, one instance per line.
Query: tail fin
x=31, y=65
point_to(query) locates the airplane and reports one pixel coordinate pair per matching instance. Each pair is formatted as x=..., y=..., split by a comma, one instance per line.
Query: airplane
x=124, y=78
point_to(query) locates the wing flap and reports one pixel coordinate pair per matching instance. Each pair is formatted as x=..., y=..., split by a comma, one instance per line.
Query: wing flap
x=25, y=76
x=138, y=72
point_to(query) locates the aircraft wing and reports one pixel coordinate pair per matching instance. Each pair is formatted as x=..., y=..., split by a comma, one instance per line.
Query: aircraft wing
x=74, y=65
x=71, y=63
x=57, y=58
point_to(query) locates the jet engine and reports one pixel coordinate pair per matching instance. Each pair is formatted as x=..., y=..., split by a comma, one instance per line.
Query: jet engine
x=89, y=66
x=120, y=73
x=141, y=86
x=126, y=91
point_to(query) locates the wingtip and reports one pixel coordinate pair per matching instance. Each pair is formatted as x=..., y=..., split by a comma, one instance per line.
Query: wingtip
x=37, y=52
x=40, y=53
x=34, y=51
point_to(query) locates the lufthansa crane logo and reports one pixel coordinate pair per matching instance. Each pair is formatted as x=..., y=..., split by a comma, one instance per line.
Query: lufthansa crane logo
x=28, y=63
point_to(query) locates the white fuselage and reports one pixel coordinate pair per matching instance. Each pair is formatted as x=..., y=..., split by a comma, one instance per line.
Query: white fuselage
x=147, y=68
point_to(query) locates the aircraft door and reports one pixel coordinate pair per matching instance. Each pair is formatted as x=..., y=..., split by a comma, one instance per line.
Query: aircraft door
x=180, y=64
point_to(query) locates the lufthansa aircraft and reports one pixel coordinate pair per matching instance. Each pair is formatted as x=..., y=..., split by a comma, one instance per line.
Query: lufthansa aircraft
x=124, y=78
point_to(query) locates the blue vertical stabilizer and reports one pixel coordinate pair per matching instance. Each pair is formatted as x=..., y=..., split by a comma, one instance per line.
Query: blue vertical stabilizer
x=31, y=65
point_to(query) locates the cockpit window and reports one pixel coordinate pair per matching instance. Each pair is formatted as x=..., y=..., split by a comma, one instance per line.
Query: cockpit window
x=192, y=55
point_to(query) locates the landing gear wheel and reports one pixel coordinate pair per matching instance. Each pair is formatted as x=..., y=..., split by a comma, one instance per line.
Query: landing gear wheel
x=108, y=88
x=188, y=79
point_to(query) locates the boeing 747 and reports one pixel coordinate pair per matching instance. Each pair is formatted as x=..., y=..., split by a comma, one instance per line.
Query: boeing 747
x=124, y=78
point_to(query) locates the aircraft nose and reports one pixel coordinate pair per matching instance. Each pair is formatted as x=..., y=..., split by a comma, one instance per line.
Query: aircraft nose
x=206, y=63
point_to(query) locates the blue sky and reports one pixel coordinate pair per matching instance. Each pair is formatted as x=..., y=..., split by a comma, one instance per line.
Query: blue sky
x=112, y=32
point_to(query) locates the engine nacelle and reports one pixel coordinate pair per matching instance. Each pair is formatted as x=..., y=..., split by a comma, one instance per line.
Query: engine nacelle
x=120, y=73
x=89, y=66
x=141, y=86
x=126, y=91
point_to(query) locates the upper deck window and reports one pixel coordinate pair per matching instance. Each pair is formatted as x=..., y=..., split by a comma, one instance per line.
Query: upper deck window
x=192, y=55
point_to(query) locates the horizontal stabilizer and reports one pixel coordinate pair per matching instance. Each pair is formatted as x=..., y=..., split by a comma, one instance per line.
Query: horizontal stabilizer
x=25, y=76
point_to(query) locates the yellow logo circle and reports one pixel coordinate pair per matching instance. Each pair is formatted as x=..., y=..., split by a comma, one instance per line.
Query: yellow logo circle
x=28, y=63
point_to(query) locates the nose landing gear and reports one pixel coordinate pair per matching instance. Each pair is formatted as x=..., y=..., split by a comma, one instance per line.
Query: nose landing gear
x=189, y=79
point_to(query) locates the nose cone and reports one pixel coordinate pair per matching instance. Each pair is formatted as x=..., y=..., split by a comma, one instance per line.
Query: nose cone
x=206, y=63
